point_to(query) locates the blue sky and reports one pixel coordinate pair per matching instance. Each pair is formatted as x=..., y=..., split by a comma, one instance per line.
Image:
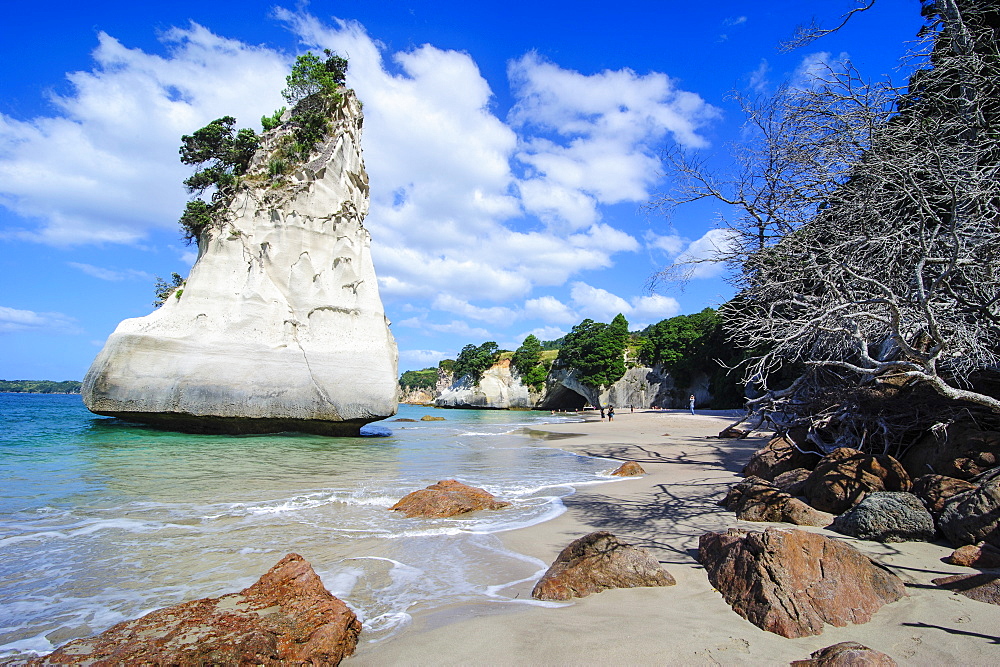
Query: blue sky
x=511, y=148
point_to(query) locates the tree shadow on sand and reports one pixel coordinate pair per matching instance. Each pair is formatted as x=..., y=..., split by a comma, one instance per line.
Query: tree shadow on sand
x=729, y=455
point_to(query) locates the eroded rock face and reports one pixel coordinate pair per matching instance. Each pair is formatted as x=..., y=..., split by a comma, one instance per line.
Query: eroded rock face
x=755, y=499
x=597, y=562
x=845, y=476
x=974, y=516
x=886, y=516
x=792, y=582
x=280, y=325
x=778, y=456
x=287, y=617
x=846, y=654
x=498, y=388
x=447, y=498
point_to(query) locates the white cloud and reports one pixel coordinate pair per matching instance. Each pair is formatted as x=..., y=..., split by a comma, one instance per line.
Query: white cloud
x=549, y=309
x=421, y=358
x=495, y=315
x=815, y=68
x=757, y=79
x=13, y=319
x=459, y=328
x=672, y=244
x=601, y=305
x=703, y=258
x=651, y=309
x=111, y=274
x=105, y=169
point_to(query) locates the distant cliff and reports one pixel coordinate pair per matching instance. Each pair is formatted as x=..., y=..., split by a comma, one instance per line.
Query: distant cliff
x=280, y=325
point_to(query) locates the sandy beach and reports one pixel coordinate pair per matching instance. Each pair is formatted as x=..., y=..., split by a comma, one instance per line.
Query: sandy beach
x=665, y=511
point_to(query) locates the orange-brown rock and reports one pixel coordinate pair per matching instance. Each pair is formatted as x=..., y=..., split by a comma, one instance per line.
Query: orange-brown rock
x=973, y=516
x=287, y=617
x=431, y=418
x=733, y=432
x=962, y=451
x=595, y=563
x=845, y=476
x=791, y=582
x=936, y=490
x=846, y=654
x=791, y=482
x=776, y=457
x=981, y=587
x=755, y=499
x=629, y=469
x=447, y=498
x=982, y=555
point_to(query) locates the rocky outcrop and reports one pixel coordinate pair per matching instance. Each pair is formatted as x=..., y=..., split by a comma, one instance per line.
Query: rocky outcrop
x=846, y=654
x=628, y=469
x=280, y=325
x=845, y=476
x=961, y=450
x=447, y=498
x=974, y=516
x=597, y=562
x=498, y=389
x=886, y=516
x=983, y=556
x=792, y=582
x=287, y=617
x=755, y=499
x=981, y=587
x=778, y=456
x=793, y=481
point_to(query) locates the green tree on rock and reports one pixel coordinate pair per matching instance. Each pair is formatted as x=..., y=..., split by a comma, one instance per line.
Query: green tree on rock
x=596, y=351
x=474, y=360
x=527, y=361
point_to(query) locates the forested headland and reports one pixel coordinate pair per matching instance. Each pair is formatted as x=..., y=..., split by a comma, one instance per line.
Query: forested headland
x=40, y=387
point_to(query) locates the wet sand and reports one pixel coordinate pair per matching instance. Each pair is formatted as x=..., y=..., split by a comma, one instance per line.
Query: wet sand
x=665, y=511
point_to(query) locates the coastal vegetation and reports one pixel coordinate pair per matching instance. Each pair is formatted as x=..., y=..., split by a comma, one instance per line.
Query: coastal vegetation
x=474, y=360
x=596, y=351
x=40, y=387
x=863, y=243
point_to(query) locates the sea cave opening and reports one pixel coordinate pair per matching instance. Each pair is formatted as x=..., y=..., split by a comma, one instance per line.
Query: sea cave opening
x=564, y=399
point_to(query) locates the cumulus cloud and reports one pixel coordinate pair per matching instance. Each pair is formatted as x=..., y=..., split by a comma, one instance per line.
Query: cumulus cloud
x=815, y=68
x=495, y=314
x=600, y=304
x=704, y=257
x=13, y=319
x=549, y=309
x=422, y=358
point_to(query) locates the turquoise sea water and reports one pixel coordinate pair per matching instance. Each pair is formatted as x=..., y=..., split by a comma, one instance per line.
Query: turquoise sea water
x=102, y=521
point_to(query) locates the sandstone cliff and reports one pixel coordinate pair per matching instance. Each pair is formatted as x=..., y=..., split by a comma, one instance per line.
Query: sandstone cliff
x=280, y=325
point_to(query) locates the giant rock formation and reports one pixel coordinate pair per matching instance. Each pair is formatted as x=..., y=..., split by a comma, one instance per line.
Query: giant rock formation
x=280, y=325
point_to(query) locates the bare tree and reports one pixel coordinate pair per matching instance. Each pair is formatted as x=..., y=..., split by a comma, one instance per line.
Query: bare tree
x=865, y=234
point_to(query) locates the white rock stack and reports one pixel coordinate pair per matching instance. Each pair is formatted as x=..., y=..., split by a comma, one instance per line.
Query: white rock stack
x=280, y=325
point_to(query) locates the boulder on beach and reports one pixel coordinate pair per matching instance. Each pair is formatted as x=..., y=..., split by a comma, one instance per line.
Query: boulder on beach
x=629, y=469
x=846, y=654
x=974, y=516
x=936, y=490
x=845, y=476
x=447, y=498
x=887, y=516
x=597, y=562
x=962, y=450
x=982, y=556
x=287, y=617
x=792, y=481
x=778, y=456
x=279, y=326
x=982, y=587
x=755, y=499
x=792, y=582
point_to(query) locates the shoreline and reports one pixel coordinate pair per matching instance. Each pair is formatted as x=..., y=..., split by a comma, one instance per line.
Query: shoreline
x=665, y=511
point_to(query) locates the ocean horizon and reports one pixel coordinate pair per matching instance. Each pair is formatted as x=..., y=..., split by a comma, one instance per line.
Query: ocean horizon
x=103, y=520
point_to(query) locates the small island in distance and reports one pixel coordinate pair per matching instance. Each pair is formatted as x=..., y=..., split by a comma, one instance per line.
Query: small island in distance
x=40, y=387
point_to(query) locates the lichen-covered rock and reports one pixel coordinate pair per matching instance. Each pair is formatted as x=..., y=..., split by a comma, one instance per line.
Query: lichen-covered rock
x=792, y=582
x=755, y=499
x=982, y=555
x=846, y=654
x=447, y=498
x=974, y=516
x=778, y=456
x=845, y=476
x=887, y=516
x=981, y=587
x=280, y=325
x=287, y=617
x=936, y=490
x=628, y=469
x=597, y=562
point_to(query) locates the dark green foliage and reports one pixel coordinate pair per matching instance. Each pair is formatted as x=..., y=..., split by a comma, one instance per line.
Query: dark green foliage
x=596, y=351
x=164, y=289
x=473, y=361
x=447, y=365
x=276, y=167
x=527, y=361
x=678, y=338
x=197, y=216
x=553, y=344
x=272, y=121
x=40, y=387
x=312, y=75
x=422, y=379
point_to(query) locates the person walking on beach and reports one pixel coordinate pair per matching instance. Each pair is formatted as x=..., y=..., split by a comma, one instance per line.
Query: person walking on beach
x=602, y=413
x=691, y=403
x=611, y=413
